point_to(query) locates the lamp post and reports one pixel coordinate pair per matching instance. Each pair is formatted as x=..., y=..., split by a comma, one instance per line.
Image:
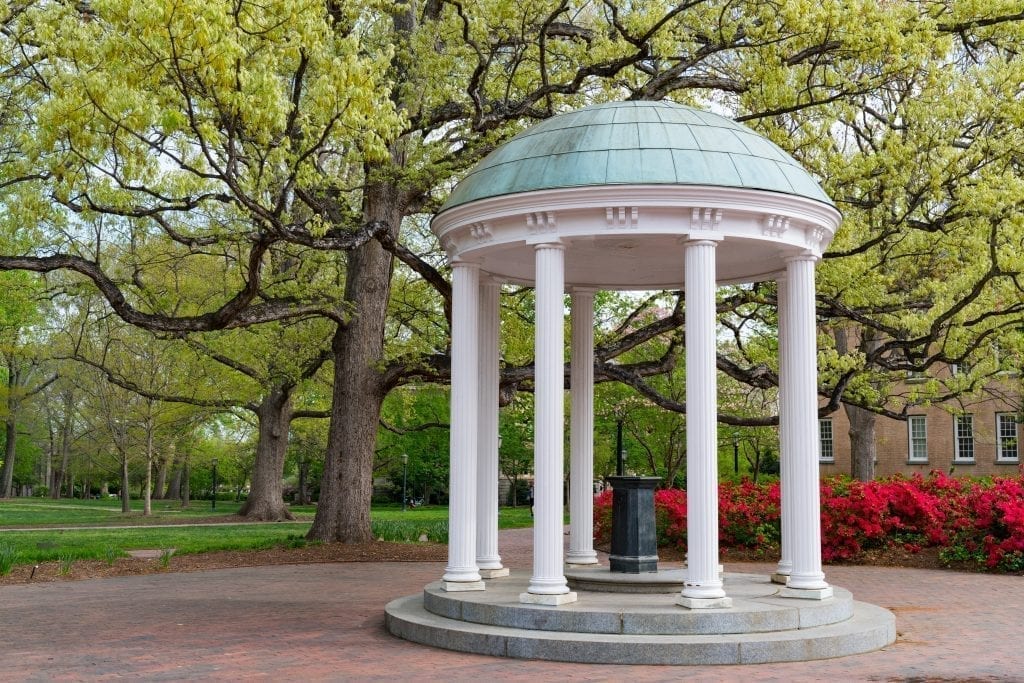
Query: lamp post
x=405, y=476
x=735, y=452
x=213, y=502
x=620, y=452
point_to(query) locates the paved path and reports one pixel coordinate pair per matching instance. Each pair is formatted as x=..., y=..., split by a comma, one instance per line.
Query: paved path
x=326, y=622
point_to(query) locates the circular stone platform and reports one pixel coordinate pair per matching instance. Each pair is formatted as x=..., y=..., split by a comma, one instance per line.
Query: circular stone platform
x=600, y=580
x=602, y=627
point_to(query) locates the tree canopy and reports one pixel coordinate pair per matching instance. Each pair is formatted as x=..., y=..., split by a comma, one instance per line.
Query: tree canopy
x=227, y=164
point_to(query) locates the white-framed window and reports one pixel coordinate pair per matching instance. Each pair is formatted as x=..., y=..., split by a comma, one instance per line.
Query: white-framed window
x=917, y=433
x=1006, y=429
x=963, y=438
x=826, y=441
x=959, y=369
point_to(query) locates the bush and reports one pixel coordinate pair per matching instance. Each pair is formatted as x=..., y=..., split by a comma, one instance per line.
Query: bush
x=977, y=521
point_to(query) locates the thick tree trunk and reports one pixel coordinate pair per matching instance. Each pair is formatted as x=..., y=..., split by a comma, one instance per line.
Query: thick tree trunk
x=162, y=470
x=343, y=511
x=862, y=422
x=862, y=442
x=186, y=487
x=174, y=485
x=266, y=495
x=7, y=474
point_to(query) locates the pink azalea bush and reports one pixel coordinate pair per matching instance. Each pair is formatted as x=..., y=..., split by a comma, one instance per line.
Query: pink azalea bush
x=980, y=521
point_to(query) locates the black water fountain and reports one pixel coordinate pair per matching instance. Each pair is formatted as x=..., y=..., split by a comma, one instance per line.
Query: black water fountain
x=634, y=535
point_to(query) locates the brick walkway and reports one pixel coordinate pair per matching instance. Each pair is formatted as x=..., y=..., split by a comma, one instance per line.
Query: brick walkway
x=326, y=622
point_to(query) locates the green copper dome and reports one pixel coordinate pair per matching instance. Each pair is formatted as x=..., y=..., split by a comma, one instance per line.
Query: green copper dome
x=636, y=143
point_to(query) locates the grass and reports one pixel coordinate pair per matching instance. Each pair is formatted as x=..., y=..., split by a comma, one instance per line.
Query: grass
x=8, y=557
x=96, y=544
x=64, y=512
x=66, y=558
x=389, y=522
x=508, y=518
x=402, y=531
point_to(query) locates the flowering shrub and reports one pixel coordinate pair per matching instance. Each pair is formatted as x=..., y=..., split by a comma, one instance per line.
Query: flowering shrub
x=670, y=517
x=603, y=517
x=852, y=517
x=749, y=515
x=975, y=520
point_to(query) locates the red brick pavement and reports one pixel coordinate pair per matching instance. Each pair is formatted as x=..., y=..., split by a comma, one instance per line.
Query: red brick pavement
x=326, y=622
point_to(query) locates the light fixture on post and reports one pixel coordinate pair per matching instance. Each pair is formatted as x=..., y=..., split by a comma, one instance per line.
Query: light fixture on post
x=405, y=477
x=736, y=452
x=213, y=497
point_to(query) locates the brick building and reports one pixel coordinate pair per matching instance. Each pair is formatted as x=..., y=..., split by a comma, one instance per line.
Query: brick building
x=974, y=437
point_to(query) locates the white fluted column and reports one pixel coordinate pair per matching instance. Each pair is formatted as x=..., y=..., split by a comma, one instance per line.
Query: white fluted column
x=581, y=431
x=461, y=573
x=487, y=558
x=799, y=416
x=785, y=567
x=548, y=585
x=703, y=587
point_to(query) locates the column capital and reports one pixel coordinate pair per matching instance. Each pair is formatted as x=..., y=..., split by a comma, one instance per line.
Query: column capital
x=698, y=238
x=545, y=242
x=459, y=263
x=583, y=291
x=805, y=255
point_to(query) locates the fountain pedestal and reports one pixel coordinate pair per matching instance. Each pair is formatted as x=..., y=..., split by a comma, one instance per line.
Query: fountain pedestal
x=634, y=538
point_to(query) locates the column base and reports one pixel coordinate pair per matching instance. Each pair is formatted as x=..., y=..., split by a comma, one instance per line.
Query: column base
x=554, y=599
x=576, y=564
x=720, y=570
x=780, y=578
x=581, y=560
x=704, y=603
x=456, y=586
x=493, y=573
x=807, y=593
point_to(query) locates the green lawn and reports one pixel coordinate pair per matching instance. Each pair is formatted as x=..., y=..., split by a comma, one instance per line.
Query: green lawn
x=48, y=512
x=508, y=518
x=42, y=545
